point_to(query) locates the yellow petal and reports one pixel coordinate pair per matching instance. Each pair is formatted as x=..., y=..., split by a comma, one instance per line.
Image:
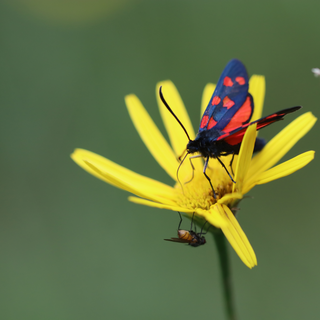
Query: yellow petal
x=124, y=185
x=230, y=197
x=286, y=168
x=151, y=136
x=206, y=96
x=159, y=205
x=123, y=178
x=244, y=158
x=176, y=134
x=237, y=237
x=279, y=146
x=257, y=88
x=212, y=216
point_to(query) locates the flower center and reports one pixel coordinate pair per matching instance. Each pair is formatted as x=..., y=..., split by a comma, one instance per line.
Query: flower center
x=198, y=193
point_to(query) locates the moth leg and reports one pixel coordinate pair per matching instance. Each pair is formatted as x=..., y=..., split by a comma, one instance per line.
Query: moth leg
x=204, y=172
x=180, y=157
x=178, y=172
x=192, y=166
x=226, y=170
x=231, y=162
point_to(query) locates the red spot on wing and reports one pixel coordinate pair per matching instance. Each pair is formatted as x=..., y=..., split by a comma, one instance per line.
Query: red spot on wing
x=241, y=80
x=227, y=103
x=237, y=137
x=204, y=121
x=223, y=136
x=227, y=82
x=234, y=140
x=216, y=100
x=212, y=123
x=241, y=116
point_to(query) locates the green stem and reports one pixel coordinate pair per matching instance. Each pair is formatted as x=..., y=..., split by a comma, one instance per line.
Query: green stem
x=221, y=244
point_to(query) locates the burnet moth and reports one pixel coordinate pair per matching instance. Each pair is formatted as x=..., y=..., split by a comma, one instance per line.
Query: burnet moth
x=227, y=118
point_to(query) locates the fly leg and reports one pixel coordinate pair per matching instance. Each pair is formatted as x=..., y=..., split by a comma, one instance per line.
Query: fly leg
x=192, y=222
x=180, y=221
x=201, y=233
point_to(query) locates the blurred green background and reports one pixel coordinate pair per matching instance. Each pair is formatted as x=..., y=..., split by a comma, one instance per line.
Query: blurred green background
x=73, y=247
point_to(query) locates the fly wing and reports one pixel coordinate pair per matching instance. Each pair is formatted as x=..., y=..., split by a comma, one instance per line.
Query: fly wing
x=230, y=95
x=177, y=240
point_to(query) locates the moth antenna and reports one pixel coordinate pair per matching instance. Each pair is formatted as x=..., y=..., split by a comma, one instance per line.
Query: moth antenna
x=170, y=110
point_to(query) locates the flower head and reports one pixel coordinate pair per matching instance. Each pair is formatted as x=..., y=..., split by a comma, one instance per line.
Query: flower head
x=194, y=193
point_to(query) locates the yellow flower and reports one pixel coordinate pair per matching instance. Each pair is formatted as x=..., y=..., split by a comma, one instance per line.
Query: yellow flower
x=196, y=196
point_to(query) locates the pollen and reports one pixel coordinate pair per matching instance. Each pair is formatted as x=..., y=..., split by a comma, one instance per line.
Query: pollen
x=197, y=193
